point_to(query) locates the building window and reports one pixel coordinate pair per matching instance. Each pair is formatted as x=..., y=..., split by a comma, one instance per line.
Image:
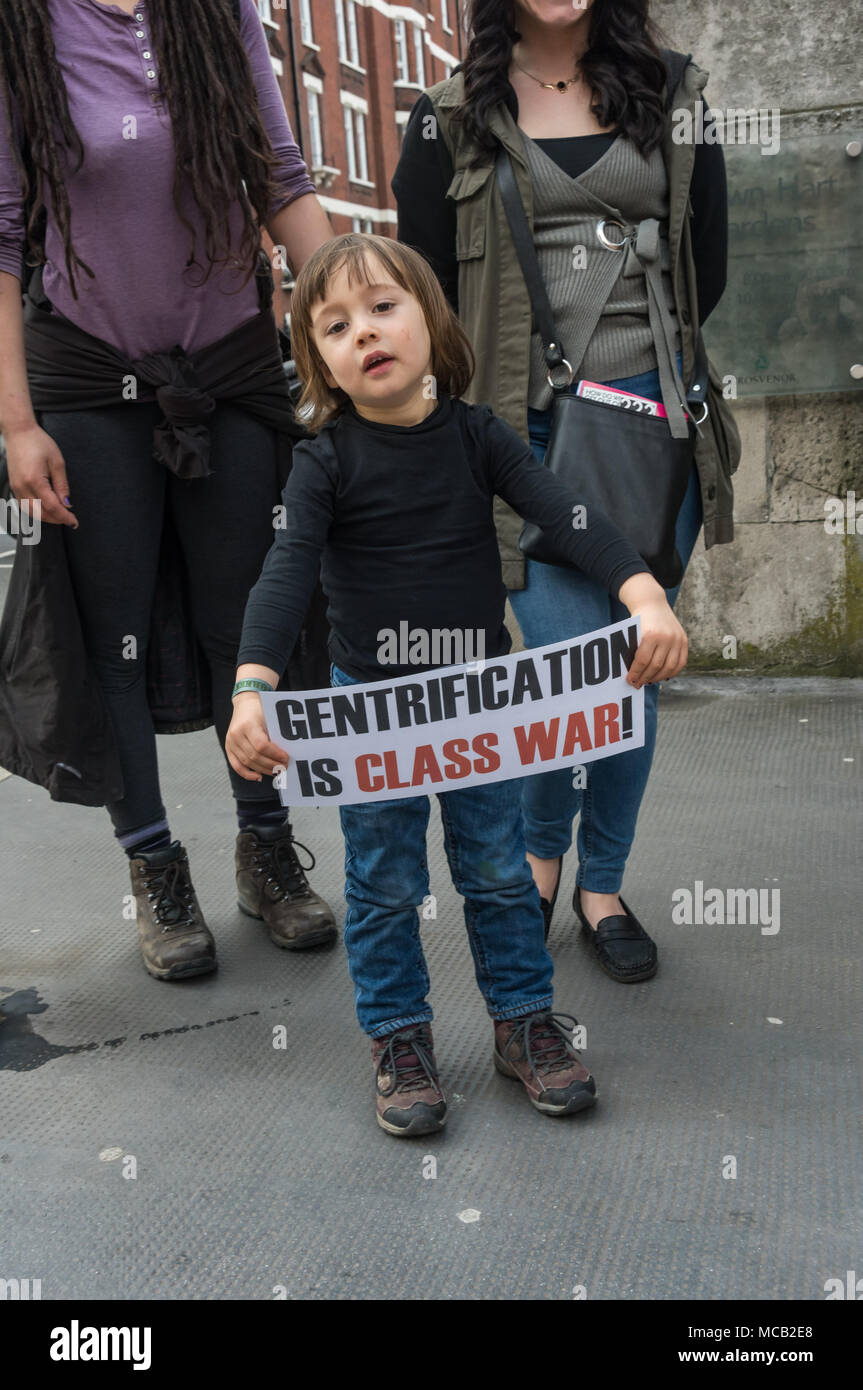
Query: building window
x=306, y=21
x=401, y=38
x=444, y=14
x=360, y=122
x=362, y=224
x=265, y=10
x=316, y=143
x=346, y=26
x=355, y=140
x=353, y=36
x=419, y=55
x=349, y=142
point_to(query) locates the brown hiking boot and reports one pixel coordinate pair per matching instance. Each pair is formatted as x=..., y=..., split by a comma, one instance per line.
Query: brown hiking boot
x=272, y=886
x=407, y=1092
x=175, y=940
x=538, y=1052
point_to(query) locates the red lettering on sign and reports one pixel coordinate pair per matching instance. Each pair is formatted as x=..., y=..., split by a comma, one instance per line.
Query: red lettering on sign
x=576, y=733
x=365, y=781
x=484, y=745
x=425, y=765
x=458, y=765
x=539, y=738
x=392, y=770
x=605, y=717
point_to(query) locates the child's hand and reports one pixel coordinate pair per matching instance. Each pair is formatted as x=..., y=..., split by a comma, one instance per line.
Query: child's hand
x=664, y=648
x=247, y=743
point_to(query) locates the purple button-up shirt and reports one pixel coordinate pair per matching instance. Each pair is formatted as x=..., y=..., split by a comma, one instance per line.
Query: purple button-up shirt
x=124, y=224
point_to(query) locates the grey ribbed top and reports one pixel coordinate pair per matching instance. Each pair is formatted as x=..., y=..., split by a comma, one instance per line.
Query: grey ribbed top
x=621, y=184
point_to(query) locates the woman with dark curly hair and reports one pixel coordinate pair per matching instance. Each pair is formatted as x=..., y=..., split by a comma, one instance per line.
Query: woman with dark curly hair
x=583, y=100
x=143, y=146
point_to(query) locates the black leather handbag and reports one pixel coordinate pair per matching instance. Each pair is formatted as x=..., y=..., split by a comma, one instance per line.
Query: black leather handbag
x=626, y=465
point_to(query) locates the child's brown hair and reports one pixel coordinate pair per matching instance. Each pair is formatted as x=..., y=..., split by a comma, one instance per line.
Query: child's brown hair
x=452, y=359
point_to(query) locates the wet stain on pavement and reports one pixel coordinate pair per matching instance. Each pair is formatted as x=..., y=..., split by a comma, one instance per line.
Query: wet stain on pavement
x=22, y=1049
x=196, y=1027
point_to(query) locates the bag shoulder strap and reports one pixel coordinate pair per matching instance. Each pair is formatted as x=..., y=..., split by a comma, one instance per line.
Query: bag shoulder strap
x=526, y=252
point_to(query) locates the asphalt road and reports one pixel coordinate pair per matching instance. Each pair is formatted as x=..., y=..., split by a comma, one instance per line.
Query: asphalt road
x=154, y=1143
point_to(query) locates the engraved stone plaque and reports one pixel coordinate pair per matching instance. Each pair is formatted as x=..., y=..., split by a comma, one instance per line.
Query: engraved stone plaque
x=791, y=318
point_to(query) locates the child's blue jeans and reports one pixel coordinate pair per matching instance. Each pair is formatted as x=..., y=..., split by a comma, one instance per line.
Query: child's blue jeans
x=386, y=880
x=560, y=603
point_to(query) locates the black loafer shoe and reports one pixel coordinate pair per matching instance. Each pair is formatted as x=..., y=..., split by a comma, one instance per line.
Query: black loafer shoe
x=621, y=945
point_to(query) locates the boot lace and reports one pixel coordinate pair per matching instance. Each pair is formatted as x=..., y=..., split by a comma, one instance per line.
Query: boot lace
x=285, y=875
x=545, y=1043
x=170, y=890
x=407, y=1056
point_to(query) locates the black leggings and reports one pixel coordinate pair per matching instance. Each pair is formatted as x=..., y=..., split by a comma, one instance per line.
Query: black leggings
x=225, y=528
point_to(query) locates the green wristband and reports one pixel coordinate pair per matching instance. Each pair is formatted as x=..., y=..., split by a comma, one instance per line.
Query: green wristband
x=253, y=683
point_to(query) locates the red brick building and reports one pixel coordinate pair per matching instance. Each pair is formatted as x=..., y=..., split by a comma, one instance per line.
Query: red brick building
x=350, y=71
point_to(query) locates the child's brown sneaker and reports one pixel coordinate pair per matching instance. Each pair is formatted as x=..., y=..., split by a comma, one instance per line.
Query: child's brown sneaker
x=408, y=1095
x=537, y=1051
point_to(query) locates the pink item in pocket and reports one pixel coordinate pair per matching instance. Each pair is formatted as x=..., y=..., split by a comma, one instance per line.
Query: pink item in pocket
x=610, y=395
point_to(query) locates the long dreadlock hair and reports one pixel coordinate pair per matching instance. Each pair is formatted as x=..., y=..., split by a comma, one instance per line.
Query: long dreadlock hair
x=219, y=138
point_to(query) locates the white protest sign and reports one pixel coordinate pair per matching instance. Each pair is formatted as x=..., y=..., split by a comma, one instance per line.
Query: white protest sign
x=511, y=716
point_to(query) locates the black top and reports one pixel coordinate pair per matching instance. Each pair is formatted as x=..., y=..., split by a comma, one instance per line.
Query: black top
x=427, y=218
x=574, y=154
x=399, y=517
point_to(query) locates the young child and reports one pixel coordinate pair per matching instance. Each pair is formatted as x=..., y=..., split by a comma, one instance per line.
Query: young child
x=392, y=500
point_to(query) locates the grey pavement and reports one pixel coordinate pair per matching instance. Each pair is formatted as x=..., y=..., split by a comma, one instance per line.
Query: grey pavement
x=260, y=1172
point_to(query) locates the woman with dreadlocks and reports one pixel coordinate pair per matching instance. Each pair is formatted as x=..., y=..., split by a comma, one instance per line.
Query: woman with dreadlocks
x=141, y=148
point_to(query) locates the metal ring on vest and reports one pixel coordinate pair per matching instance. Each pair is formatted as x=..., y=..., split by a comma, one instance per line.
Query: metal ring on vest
x=560, y=384
x=606, y=241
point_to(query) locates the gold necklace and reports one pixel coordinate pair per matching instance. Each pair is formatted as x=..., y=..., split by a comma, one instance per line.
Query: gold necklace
x=552, y=86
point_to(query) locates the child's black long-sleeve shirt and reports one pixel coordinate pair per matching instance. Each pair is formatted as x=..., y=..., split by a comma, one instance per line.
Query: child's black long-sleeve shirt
x=400, y=520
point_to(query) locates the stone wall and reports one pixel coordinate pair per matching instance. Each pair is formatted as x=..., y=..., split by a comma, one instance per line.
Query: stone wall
x=789, y=593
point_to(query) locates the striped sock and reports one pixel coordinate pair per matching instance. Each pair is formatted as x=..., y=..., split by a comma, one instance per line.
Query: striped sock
x=252, y=813
x=145, y=838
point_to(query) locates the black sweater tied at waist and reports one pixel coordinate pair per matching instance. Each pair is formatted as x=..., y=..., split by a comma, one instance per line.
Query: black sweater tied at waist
x=69, y=369
x=55, y=730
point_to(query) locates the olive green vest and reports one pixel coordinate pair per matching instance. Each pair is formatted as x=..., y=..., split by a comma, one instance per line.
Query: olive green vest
x=495, y=309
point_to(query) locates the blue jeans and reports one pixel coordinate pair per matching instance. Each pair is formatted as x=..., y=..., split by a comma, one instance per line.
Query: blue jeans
x=560, y=603
x=386, y=879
